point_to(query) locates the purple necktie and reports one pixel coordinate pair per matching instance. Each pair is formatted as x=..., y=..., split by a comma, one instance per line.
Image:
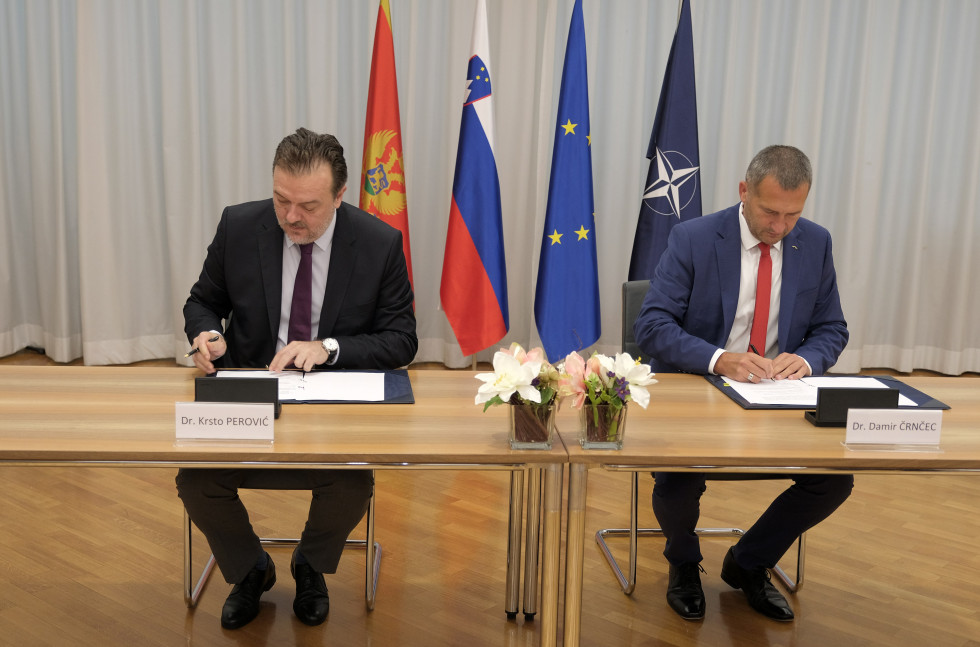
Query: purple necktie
x=300, y=314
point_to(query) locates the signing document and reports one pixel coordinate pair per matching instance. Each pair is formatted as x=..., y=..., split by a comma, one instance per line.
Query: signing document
x=320, y=386
x=803, y=392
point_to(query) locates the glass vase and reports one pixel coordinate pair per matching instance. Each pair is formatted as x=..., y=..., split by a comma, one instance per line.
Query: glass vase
x=603, y=426
x=532, y=426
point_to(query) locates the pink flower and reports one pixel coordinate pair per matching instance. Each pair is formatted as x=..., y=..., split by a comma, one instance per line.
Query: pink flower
x=594, y=367
x=536, y=354
x=573, y=384
x=517, y=352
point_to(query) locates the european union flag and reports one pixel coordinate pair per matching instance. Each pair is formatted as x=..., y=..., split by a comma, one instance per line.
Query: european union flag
x=673, y=189
x=566, y=302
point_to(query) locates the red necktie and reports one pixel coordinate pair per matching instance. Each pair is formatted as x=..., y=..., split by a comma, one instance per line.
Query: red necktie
x=300, y=313
x=763, y=287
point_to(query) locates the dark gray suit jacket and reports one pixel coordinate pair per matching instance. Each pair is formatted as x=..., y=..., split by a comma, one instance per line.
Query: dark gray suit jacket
x=367, y=305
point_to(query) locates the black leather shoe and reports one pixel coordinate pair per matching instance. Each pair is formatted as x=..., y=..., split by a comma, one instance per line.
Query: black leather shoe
x=242, y=604
x=312, y=602
x=758, y=589
x=684, y=593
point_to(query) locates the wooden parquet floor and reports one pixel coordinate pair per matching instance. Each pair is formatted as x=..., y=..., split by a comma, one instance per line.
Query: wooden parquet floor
x=92, y=556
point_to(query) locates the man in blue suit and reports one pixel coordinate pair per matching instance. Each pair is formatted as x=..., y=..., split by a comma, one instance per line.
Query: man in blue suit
x=701, y=316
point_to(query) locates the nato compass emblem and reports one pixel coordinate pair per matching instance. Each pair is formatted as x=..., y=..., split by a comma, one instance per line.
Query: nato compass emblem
x=674, y=186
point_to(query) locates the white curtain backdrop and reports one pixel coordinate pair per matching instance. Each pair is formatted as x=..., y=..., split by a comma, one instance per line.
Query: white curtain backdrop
x=125, y=127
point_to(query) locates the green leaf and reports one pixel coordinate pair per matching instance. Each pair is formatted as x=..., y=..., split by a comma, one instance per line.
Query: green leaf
x=492, y=402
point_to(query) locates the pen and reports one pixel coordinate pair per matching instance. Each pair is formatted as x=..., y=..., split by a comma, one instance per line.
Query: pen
x=753, y=348
x=196, y=349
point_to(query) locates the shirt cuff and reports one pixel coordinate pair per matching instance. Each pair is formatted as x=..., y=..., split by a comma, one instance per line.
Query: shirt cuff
x=808, y=367
x=714, y=360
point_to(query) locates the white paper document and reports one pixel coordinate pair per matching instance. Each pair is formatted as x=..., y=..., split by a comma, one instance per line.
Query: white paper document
x=341, y=386
x=803, y=392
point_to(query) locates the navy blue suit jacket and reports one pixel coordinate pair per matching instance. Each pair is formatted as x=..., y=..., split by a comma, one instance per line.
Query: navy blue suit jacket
x=690, y=308
x=367, y=303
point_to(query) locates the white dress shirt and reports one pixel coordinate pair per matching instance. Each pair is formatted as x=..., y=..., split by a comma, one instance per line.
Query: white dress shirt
x=738, y=338
x=290, y=265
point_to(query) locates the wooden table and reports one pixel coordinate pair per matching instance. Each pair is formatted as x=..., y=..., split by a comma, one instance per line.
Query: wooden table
x=691, y=426
x=124, y=416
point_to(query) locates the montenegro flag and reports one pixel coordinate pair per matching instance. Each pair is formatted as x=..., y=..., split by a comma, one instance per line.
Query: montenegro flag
x=383, y=172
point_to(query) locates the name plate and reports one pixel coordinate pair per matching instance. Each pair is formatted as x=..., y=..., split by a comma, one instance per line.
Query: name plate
x=894, y=426
x=225, y=421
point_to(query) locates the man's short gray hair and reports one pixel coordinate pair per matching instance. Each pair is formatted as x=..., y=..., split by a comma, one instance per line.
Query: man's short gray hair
x=788, y=165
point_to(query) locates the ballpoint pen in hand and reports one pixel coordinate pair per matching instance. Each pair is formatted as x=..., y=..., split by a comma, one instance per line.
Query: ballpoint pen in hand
x=196, y=349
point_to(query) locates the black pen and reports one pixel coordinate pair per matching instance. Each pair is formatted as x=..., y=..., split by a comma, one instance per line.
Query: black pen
x=753, y=348
x=196, y=349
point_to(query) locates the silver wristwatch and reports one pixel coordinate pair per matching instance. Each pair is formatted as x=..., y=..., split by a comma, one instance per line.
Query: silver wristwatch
x=332, y=347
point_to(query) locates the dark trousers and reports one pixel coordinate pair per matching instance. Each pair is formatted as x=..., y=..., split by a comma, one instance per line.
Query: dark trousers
x=810, y=500
x=340, y=499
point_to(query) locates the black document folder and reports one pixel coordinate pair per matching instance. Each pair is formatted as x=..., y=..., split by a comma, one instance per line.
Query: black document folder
x=397, y=390
x=920, y=399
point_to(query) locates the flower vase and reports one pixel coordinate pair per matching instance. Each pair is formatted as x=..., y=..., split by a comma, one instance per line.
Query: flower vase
x=532, y=426
x=603, y=426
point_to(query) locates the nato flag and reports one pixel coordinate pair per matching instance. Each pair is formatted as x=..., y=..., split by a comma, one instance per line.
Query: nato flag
x=673, y=188
x=566, y=302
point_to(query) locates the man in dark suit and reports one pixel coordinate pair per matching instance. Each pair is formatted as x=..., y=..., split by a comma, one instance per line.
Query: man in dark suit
x=701, y=316
x=303, y=280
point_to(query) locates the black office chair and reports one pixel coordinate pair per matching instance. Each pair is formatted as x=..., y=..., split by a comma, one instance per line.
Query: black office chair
x=633, y=294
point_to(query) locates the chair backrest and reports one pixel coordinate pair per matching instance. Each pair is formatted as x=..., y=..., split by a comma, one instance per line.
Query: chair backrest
x=633, y=294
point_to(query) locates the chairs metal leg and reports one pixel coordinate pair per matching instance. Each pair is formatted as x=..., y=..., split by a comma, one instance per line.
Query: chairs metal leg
x=193, y=592
x=372, y=561
x=628, y=583
x=793, y=585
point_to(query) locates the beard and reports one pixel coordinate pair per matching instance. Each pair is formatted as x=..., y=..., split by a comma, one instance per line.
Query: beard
x=300, y=232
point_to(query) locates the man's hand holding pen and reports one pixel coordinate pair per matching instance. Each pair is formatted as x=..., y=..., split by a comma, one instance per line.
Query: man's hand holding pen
x=744, y=367
x=207, y=347
x=753, y=367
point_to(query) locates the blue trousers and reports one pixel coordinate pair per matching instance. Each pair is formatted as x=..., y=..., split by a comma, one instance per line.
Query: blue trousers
x=810, y=500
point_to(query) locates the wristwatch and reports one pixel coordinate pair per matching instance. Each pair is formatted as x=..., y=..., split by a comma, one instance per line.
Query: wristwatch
x=332, y=347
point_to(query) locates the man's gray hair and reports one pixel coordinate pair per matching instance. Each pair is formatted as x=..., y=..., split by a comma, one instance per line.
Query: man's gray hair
x=788, y=165
x=304, y=150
